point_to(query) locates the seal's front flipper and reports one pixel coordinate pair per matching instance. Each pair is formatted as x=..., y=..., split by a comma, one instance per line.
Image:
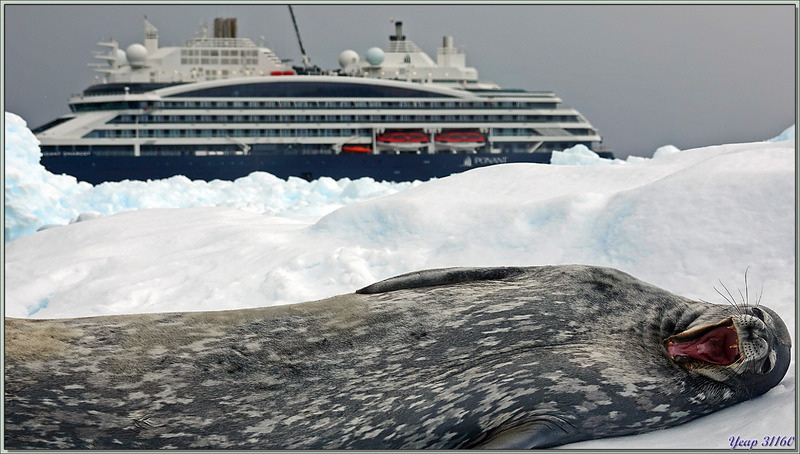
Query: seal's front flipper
x=543, y=432
x=441, y=276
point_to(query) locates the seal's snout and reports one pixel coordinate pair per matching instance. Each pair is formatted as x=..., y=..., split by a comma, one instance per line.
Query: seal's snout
x=768, y=345
x=714, y=344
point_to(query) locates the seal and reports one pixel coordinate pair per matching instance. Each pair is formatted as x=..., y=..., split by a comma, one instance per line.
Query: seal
x=451, y=358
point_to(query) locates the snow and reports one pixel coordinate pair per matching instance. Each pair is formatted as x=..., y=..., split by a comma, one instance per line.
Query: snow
x=35, y=198
x=683, y=220
x=787, y=134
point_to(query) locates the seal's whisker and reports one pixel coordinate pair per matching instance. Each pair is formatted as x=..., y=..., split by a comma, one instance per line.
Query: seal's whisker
x=743, y=303
x=759, y=295
x=746, y=287
x=729, y=298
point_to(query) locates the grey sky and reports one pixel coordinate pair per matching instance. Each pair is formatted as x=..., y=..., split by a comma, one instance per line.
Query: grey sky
x=644, y=75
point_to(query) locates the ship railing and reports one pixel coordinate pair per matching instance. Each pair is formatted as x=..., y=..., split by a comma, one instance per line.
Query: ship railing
x=219, y=42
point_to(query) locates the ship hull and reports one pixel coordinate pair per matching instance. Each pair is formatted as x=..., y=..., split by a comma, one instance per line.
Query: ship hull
x=381, y=167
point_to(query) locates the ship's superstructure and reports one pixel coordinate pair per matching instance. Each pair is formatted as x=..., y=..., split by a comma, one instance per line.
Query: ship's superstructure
x=222, y=106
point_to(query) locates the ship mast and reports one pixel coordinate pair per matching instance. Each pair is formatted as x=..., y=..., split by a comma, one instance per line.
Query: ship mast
x=306, y=61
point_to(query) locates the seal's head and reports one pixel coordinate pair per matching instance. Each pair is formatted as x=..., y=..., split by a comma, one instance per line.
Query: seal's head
x=749, y=350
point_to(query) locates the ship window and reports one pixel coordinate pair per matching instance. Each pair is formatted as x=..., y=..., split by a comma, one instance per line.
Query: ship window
x=97, y=134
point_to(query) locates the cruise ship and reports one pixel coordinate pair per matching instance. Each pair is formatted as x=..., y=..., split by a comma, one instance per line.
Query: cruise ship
x=222, y=107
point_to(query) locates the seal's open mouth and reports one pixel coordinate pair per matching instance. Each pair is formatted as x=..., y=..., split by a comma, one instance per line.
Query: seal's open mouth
x=715, y=344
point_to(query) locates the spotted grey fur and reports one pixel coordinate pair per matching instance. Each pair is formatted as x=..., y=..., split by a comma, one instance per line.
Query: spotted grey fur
x=499, y=357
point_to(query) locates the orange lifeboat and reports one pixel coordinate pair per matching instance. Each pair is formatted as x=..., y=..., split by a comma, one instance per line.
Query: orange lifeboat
x=356, y=149
x=403, y=137
x=460, y=137
x=402, y=140
x=459, y=140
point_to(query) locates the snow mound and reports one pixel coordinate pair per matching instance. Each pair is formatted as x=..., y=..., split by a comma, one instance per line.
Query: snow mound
x=579, y=155
x=35, y=198
x=666, y=150
x=787, y=134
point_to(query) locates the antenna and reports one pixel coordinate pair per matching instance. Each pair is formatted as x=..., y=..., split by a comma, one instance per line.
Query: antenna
x=306, y=61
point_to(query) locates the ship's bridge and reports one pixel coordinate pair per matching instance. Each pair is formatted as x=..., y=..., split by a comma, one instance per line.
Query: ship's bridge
x=403, y=60
x=204, y=57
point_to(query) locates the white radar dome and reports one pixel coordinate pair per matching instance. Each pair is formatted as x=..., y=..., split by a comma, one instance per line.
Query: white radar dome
x=375, y=56
x=137, y=54
x=121, y=58
x=348, y=58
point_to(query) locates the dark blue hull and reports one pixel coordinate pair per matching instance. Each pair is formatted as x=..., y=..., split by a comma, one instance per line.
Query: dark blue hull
x=381, y=167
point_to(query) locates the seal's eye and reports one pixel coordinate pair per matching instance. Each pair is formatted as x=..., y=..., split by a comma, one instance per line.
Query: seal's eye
x=758, y=313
